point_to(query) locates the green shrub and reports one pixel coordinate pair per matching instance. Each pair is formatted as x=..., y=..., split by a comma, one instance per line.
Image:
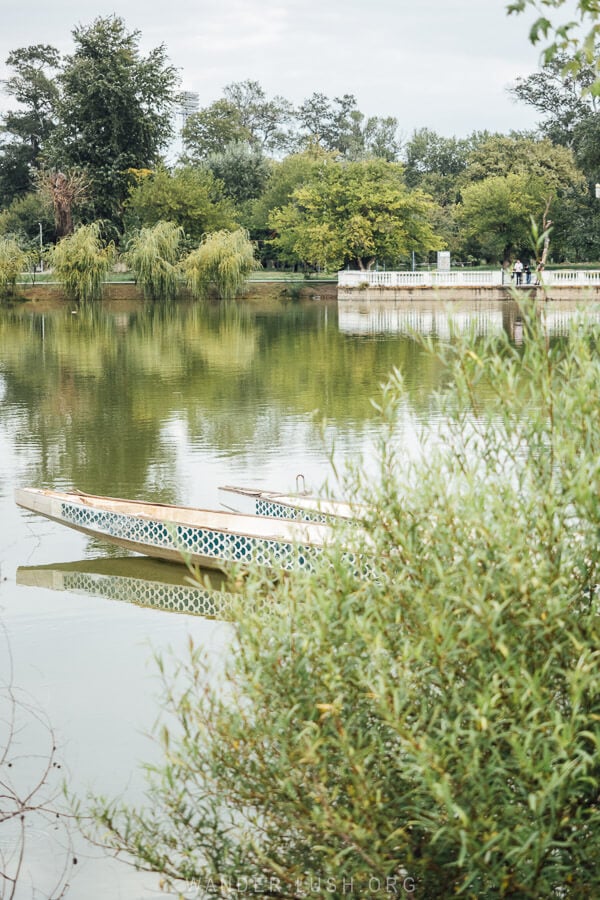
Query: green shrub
x=153, y=255
x=434, y=727
x=223, y=261
x=13, y=260
x=81, y=262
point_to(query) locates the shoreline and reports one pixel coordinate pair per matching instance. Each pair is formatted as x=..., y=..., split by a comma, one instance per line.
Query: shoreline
x=469, y=292
x=127, y=291
x=38, y=295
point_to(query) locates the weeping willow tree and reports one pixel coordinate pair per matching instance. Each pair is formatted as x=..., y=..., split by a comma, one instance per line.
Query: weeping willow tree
x=153, y=255
x=223, y=261
x=81, y=262
x=13, y=260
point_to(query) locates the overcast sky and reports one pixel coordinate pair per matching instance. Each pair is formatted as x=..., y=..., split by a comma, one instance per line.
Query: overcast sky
x=443, y=64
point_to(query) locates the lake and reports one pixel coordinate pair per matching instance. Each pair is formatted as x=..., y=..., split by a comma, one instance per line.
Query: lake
x=165, y=403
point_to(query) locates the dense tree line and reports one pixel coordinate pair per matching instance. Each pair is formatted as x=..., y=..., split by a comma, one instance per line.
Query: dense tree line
x=320, y=185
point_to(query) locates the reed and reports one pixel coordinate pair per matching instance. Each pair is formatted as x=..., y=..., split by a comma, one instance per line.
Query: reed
x=153, y=255
x=223, y=261
x=81, y=262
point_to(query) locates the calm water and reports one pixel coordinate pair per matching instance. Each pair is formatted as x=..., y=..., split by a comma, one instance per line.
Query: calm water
x=165, y=404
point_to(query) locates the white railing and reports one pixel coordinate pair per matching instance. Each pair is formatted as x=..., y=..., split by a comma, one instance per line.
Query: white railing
x=463, y=278
x=347, y=278
x=572, y=276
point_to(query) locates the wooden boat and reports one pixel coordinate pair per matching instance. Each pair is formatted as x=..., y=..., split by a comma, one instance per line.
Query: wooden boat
x=213, y=539
x=301, y=506
x=151, y=583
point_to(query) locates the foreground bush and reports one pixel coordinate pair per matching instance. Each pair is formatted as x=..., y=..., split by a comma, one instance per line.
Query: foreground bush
x=432, y=728
x=81, y=262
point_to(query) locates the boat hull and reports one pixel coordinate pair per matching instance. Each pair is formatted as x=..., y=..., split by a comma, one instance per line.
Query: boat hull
x=181, y=534
x=296, y=507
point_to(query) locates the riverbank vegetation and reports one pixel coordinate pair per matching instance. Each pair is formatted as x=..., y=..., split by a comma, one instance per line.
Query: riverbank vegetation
x=435, y=725
x=81, y=261
x=86, y=142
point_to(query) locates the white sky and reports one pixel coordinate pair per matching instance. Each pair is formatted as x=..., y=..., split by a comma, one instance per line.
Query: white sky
x=443, y=64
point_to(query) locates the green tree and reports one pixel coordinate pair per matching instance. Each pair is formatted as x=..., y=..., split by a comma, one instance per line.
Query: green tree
x=243, y=115
x=223, y=261
x=495, y=214
x=116, y=111
x=569, y=113
x=354, y=212
x=190, y=197
x=517, y=154
x=543, y=181
x=153, y=255
x=562, y=96
x=265, y=120
x=242, y=170
x=285, y=176
x=328, y=123
x=24, y=216
x=434, y=162
x=378, y=136
x=26, y=131
x=432, y=728
x=210, y=130
x=81, y=262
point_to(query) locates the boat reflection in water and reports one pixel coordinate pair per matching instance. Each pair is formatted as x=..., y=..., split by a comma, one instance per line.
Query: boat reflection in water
x=145, y=582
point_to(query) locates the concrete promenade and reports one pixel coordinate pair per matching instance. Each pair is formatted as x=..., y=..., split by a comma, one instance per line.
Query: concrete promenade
x=457, y=284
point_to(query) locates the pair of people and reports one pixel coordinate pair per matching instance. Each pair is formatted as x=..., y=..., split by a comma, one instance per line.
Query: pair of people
x=519, y=270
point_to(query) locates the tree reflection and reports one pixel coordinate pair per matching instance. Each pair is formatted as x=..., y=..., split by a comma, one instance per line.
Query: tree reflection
x=98, y=397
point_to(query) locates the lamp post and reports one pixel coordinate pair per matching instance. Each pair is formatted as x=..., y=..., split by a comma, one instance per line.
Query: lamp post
x=41, y=248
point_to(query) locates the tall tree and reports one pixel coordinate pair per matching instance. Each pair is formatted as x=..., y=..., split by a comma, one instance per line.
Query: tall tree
x=338, y=125
x=264, y=119
x=355, y=213
x=242, y=170
x=434, y=162
x=285, y=176
x=519, y=177
x=328, y=123
x=516, y=153
x=116, y=110
x=25, y=131
x=561, y=95
x=496, y=214
x=211, y=129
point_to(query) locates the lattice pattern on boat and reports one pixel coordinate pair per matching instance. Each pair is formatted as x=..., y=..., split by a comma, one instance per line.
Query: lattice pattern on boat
x=281, y=511
x=198, y=542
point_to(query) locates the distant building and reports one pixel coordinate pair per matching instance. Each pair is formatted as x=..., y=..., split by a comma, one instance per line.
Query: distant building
x=189, y=103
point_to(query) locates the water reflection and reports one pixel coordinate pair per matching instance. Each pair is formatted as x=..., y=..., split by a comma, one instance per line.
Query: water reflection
x=106, y=399
x=143, y=582
x=436, y=319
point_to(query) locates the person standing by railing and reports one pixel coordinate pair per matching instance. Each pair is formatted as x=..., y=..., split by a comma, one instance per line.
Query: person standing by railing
x=518, y=272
